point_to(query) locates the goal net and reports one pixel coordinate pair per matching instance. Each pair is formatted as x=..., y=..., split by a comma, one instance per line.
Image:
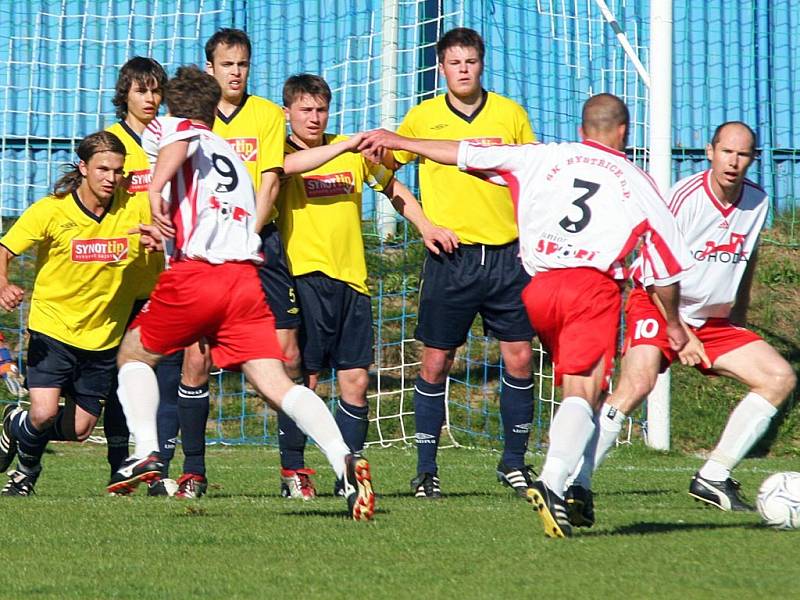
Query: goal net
x=59, y=62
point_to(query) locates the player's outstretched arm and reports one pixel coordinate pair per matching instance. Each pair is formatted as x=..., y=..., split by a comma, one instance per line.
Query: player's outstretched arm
x=434, y=237
x=10, y=294
x=376, y=142
x=170, y=159
x=669, y=295
x=309, y=159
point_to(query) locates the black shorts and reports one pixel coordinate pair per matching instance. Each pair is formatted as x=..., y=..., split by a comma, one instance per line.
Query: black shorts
x=337, y=324
x=86, y=376
x=277, y=282
x=473, y=279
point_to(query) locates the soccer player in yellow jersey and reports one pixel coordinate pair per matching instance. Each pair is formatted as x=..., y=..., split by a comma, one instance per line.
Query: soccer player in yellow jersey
x=80, y=303
x=484, y=276
x=137, y=98
x=320, y=223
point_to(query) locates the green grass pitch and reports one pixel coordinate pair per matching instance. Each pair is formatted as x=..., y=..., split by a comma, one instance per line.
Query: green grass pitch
x=244, y=541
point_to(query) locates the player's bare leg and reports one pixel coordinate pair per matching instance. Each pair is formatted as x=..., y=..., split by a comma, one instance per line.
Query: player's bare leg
x=770, y=380
x=311, y=415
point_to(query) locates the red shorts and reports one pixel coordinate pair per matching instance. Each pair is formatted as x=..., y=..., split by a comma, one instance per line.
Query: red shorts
x=645, y=326
x=222, y=303
x=575, y=313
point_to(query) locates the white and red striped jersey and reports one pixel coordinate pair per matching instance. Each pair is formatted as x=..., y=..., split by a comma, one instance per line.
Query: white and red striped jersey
x=212, y=202
x=581, y=205
x=721, y=239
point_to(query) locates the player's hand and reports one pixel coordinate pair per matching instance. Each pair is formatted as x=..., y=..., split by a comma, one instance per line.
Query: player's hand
x=150, y=237
x=353, y=141
x=676, y=335
x=11, y=296
x=161, y=218
x=375, y=142
x=693, y=353
x=438, y=238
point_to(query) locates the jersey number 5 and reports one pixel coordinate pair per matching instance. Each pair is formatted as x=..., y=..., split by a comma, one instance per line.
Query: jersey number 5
x=586, y=214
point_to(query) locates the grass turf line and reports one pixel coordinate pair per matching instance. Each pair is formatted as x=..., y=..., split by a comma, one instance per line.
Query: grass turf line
x=244, y=541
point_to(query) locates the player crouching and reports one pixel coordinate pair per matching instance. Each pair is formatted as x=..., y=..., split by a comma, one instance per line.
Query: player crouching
x=212, y=290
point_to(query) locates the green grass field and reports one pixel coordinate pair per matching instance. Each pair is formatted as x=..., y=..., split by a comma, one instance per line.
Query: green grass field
x=244, y=541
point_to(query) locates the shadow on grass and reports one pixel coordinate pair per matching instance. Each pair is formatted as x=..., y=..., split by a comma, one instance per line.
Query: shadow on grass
x=409, y=494
x=645, y=528
x=636, y=493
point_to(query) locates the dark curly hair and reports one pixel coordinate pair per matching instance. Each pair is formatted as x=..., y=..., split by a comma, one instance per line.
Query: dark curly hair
x=142, y=70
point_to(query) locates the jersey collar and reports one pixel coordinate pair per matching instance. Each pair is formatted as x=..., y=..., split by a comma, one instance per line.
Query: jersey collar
x=134, y=136
x=90, y=214
x=724, y=210
x=604, y=148
x=236, y=111
x=474, y=115
x=292, y=143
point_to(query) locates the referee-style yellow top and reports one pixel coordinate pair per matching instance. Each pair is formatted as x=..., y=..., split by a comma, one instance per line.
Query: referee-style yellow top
x=147, y=266
x=255, y=130
x=320, y=216
x=477, y=211
x=83, y=290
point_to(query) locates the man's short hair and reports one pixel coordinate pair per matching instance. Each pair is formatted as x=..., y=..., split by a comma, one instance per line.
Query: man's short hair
x=603, y=112
x=460, y=36
x=228, y=37
x=140, y=70
x=305, y=83
x=718, y=133
x=193, y=94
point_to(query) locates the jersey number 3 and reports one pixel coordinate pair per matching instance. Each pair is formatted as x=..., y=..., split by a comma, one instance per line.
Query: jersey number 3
x=586, y=213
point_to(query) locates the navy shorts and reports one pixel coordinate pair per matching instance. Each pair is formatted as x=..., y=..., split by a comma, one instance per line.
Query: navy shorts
x=337, y=324
x=277, y=282
x=86, y=376
x=474, y=279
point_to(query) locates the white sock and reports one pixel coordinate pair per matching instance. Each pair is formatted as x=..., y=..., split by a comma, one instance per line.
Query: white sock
x=314, y=419
x=582, y=475
x=747, y=423
x=138, y=395
x=570, y=432
x=610, y=421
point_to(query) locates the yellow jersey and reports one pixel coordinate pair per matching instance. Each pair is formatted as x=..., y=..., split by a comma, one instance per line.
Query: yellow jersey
x=255, y=131
x=82, y=289
x=147, y=266
x=320, y=216
x=477, y=211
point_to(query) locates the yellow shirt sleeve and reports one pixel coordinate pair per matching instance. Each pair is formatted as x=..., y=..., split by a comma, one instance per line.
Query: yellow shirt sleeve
x=525, y=133
x=30, y=229
x=273, y=132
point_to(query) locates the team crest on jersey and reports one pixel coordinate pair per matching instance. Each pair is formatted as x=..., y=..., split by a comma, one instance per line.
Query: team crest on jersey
x=102, y=250
x=731, y=251
x=245, y=148
x=139, y=181
x=333, y=184
x=485, y=141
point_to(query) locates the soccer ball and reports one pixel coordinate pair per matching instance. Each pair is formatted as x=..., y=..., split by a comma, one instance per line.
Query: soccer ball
x=779, y=500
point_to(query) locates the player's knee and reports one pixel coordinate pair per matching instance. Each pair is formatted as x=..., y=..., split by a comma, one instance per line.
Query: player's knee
x=82, y=431
x=42, y=417
x=781, y=379
x=293, y=362
x=518, y=360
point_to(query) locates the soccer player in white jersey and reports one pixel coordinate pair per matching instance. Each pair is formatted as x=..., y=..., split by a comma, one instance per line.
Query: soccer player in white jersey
x=581, y=209
x=720, y=213
x=202, y=200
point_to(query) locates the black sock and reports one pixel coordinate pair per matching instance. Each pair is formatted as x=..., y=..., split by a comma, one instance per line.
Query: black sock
x=429, y=417
x=168, y=374
x=31, y=443
x=193, y=409
x=353, y=422
x=291, y=443
x=516, y=410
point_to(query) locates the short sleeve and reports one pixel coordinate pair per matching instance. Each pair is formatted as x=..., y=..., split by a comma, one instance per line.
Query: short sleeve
x=30, y=229
x=270, y=144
